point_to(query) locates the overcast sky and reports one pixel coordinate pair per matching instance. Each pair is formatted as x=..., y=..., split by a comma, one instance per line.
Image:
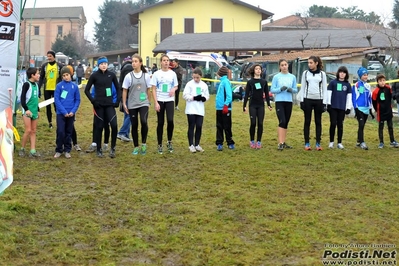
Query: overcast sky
x=280, y=8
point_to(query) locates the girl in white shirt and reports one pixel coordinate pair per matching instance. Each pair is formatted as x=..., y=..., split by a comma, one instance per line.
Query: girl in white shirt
x=195, y=93
x=164, y=84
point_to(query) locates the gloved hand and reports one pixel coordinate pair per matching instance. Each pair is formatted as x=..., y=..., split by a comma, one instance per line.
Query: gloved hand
x=203, y=99
x=95, y=104
x=302, y=105
x=348, y=111
x=225, y=109
x=329, y=108
x=197, y=98
x=371, y=114
x=356, y=112
x=324, y=108
x=289, y=90
x=283, y=88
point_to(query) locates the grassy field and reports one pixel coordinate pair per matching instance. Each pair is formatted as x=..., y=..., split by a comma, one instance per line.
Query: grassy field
x=235, y=207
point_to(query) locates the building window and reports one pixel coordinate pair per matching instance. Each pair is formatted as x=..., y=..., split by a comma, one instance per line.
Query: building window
x=166, y=28
x=217, y=25
x=59, y=31
x=188, y=25
x=36, y=30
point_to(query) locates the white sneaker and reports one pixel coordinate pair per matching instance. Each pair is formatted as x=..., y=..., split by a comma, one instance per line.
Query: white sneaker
x=198, y=148
x=331, y=145
x=105, y=147
x=192, y=149
x=340, y=146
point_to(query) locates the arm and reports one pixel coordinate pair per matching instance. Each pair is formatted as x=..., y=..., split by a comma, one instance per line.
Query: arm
x=186, y=93
x=124, y=97
x=303, y=87
x=324, y=86
x=229, y=93
x=88, y=87
x=266, y=92
x=294, y=85
x=247, y=88
x=275, y=89
x=57, y=100
x=42, y=76
x=329, y=92
x=25, y=89
x=354, y=96
x=77, y=102
x=117, y=87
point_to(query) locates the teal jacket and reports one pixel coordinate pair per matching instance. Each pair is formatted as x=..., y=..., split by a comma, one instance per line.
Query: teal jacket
x=224, y=94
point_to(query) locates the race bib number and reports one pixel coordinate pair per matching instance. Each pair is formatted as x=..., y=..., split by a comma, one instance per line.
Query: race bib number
x=164, y=87
x=143, y=97
x=108, y=92
x=64, y=94
x=258, y=86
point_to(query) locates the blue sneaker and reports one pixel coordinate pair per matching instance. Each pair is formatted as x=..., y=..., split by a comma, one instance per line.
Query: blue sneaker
x=220, y=147
x=136, y=151
x=381, y=146
x=231, y=147
x=307, y=147
x=318, y=147
x=143, y=149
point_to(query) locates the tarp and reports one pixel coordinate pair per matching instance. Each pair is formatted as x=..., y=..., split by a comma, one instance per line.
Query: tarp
x=10, y=15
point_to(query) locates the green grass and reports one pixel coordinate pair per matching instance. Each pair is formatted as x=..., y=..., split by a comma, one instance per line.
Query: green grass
x=241, y=207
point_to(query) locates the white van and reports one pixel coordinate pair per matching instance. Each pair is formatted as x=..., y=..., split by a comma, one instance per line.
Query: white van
x=193, y=60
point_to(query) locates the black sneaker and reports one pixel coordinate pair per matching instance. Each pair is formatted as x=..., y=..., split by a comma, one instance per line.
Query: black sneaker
x=280, y=146
x=100, y=154
x=50, y=125
x=286, y=146
x=170, y=146
x=112, y=153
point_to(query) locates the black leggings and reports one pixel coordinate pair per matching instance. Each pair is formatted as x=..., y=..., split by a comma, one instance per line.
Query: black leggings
x=256, y=114
x=47, y=95
x=167, y=107
x=337, y=117
x=194, y=121
x=381, y=130
x=361, y=120
x=103, y=116
x=107, y=132
x=133, y=113
x=283, y=111
x=177, y=92
x=317, y=106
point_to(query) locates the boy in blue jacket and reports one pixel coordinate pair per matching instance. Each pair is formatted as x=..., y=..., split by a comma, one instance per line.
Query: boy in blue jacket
x=224, y=97
x=361, y=100
x=67, y=101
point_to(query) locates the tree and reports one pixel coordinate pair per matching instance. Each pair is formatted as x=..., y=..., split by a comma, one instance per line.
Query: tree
x=352, y=12
x=321, y=11
x=394, y=24
x=114, y=31
x=67, y=45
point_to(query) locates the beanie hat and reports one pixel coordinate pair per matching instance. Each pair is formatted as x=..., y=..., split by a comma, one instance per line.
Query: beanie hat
x=65, y=70
x=361, y=72
x=223, y=71
x=102, y=60
x=51, y=52
x=127, y=59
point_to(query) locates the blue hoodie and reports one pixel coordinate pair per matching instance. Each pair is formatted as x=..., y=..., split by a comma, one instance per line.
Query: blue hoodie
x=361, y=96
x=221, y=100
x=66, y=97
